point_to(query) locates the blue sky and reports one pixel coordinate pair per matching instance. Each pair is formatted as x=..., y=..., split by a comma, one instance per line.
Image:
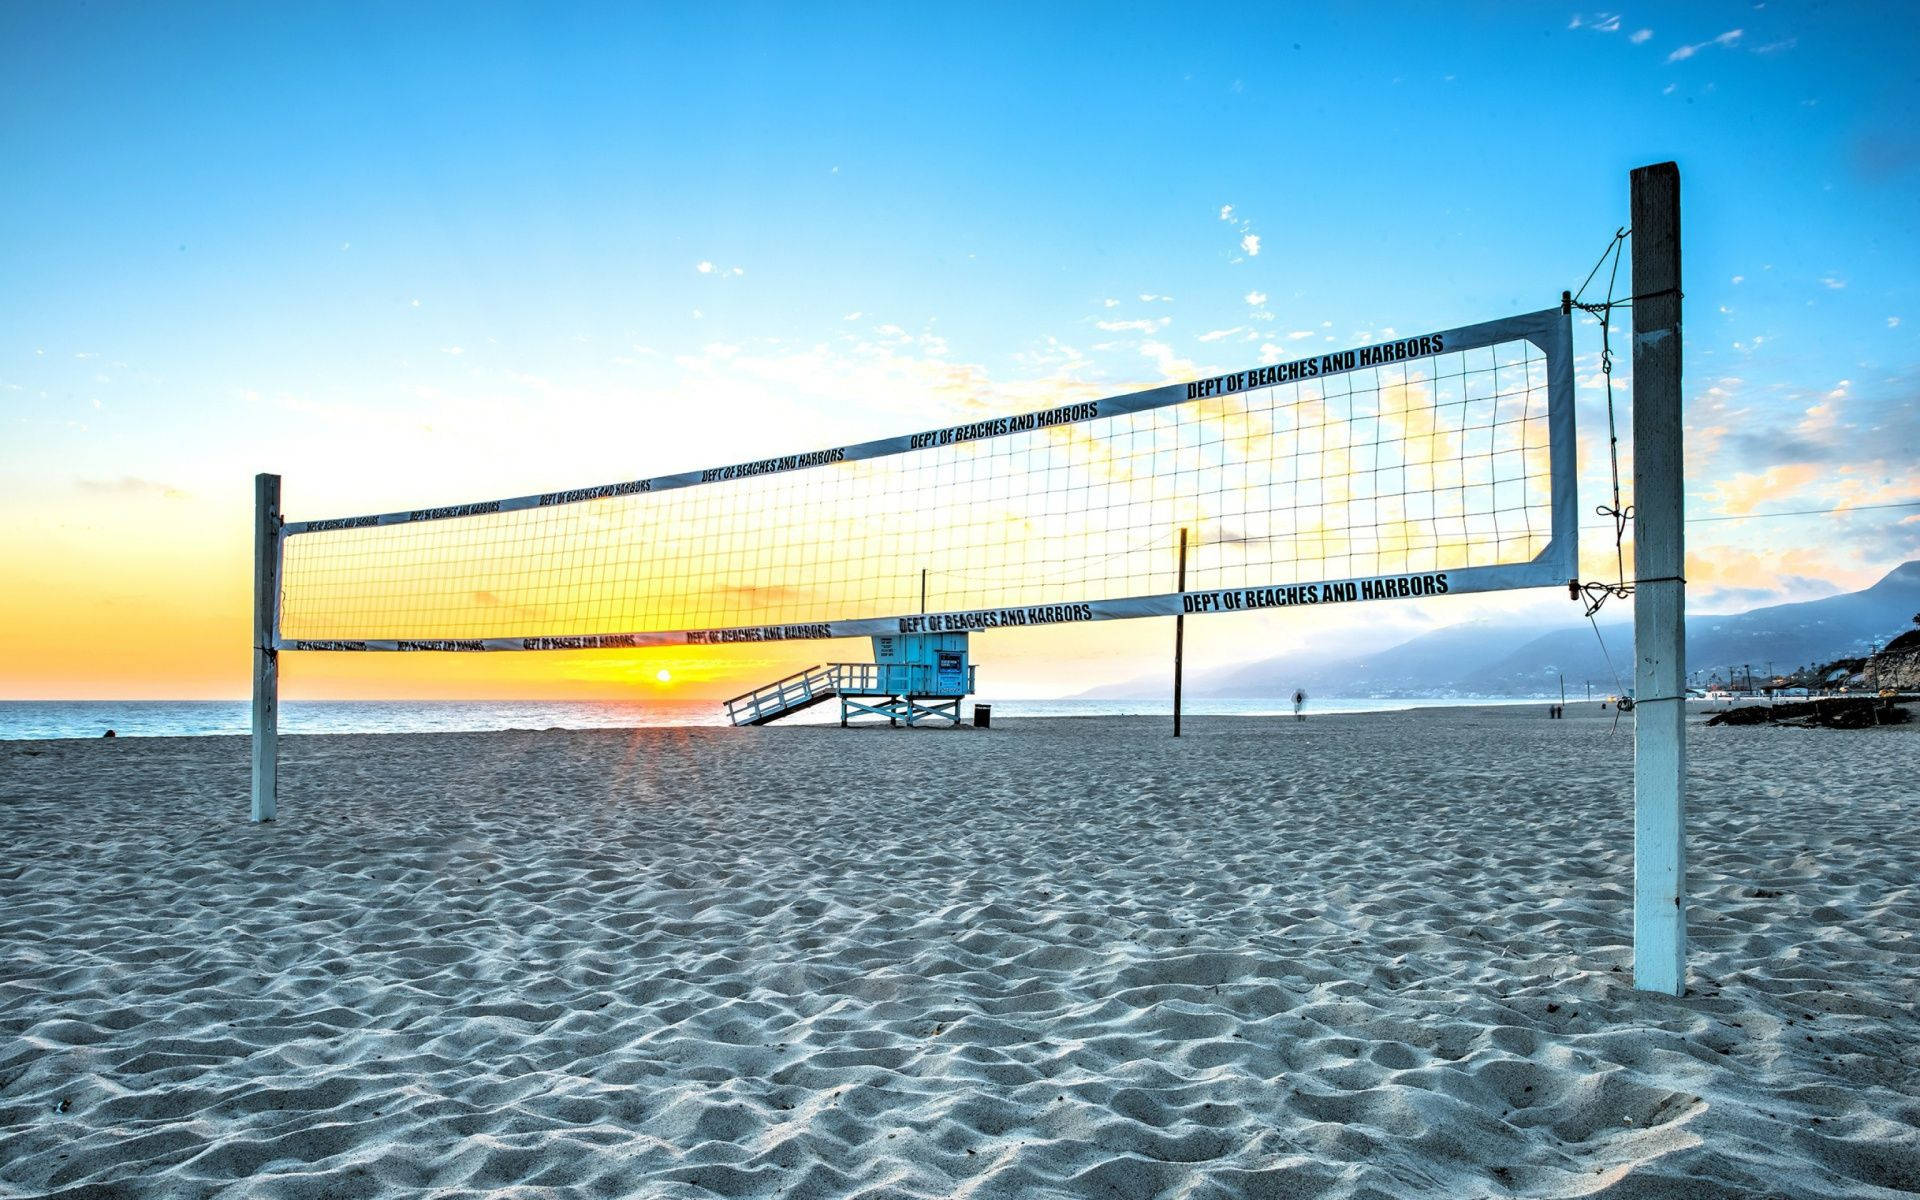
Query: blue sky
x=414, y=254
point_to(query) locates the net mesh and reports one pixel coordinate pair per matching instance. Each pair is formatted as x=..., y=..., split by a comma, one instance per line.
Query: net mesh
x=1432, y=464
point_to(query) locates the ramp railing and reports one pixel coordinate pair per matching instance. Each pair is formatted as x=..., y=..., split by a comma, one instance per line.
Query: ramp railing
x=783, y=695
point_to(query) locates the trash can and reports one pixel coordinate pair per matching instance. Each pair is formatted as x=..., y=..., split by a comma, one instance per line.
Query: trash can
x=983, y=716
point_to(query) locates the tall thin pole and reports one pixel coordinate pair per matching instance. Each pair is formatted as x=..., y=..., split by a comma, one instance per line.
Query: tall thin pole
x=1660, y=591
x=1180, y=637
x=266, y=659
x=923, y=589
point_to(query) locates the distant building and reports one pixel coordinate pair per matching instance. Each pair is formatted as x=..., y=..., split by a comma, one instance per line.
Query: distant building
x=1897, y=666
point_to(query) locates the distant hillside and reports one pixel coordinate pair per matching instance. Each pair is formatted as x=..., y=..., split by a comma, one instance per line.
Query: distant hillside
x=1430, y=662
x=1485, y=658
x=1812, y=631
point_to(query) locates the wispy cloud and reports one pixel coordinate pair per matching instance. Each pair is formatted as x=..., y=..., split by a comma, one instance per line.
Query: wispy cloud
x=1639, y=36
x=1152, y=325
x=1739, y=494
x=1819, y=420
x=1832, y=282
x=131, y=485
x=1169, y=364
x=1725, y=577
x=1214, y=335
x=1729, y=38
x=1249, y=240
x=1255, y=298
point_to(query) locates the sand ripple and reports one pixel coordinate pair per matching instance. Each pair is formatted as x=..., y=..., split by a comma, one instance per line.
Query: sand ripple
x=1360, y=957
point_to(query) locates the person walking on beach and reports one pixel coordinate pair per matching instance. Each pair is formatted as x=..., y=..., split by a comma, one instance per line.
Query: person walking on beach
x=1299, y=705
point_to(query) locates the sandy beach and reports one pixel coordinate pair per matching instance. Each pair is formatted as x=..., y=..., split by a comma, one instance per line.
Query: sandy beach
x=1363, y=956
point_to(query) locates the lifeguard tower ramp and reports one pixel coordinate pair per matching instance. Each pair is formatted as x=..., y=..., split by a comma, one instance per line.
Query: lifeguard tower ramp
x=918, y=678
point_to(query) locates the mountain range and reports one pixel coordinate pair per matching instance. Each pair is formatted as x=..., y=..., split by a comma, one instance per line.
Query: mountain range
x=1496, y=658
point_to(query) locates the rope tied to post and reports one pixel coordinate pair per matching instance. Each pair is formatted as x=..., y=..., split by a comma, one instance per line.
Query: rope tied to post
x=1620, y=513
x=1596, y=593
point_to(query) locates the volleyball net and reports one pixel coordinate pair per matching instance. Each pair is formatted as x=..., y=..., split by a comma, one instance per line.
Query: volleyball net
x=1441, y=463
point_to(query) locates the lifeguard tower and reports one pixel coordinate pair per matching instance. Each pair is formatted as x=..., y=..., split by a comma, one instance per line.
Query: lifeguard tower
x=918, y=678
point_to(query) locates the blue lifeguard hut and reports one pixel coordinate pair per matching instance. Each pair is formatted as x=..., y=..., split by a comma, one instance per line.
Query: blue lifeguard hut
x=915, y=678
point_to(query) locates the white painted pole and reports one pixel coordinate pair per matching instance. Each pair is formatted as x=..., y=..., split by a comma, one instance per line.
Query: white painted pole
x=1660, y=591
x=266, y=660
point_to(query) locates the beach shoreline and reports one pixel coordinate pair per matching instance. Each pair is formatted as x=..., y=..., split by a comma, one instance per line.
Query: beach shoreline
x=137, y=719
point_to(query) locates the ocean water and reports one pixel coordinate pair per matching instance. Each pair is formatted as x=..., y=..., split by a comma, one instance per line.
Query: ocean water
x=30, y=719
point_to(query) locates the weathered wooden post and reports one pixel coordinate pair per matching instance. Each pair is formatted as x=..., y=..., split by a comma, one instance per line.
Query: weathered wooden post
x=266, y=660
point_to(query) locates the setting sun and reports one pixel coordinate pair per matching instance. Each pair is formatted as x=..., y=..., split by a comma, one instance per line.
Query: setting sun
x=663, y=675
